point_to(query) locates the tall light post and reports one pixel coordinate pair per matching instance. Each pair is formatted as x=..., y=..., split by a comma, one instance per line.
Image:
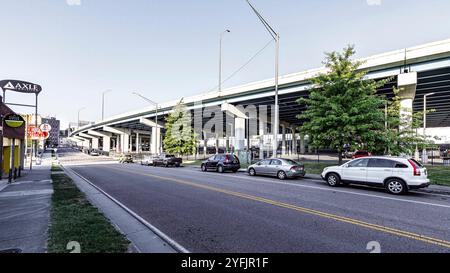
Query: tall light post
x=276, y=36
x=157, y=147
x=220, y=59
x=424, y=152
x=79, y=110
x=103, y=102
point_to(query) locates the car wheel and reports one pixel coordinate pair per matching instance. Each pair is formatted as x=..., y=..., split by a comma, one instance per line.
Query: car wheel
x=396, y=186
x=252, y=172
x=333, y=180
x=220, y=169
x=204, y=169
x=281, y=175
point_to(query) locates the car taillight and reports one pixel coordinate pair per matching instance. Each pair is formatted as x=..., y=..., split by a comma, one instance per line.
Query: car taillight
x=416, y=172
x=294, y=168
x=227, y=159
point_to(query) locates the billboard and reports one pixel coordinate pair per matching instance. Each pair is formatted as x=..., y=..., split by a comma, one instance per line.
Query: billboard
x=35, y=133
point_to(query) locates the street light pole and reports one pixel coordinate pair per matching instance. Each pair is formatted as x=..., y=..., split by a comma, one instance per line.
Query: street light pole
x=103, y=102
x=424, y=152
x=220, y=59
x=276, y=36
x=157, y=147
x=79, y=110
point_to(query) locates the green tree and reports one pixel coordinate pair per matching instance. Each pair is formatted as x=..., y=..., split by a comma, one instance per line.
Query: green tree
x=179, y=137
x=400, y=135
x=343, y=107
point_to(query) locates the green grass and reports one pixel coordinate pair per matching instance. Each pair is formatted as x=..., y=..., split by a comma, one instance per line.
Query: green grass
x=439, y=175
x=192, y=163
x=316, y=168
x=56, y=168
x=73, y=218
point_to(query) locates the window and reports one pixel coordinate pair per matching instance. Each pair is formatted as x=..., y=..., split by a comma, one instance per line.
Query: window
x=265, y=162
x=275, y=162
x=360, y=163
x=290, y=162
x=220, y=157
x=381, y=163
x=212, y=158
x=401, y=166
x=418, y=165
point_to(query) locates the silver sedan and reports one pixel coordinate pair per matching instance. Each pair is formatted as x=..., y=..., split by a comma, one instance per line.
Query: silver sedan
x=278, y=167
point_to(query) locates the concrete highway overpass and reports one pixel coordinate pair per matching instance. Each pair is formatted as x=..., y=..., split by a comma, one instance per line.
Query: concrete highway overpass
x=137, y=131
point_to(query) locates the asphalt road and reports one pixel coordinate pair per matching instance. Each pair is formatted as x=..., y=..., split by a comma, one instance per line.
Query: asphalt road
x=211, y=212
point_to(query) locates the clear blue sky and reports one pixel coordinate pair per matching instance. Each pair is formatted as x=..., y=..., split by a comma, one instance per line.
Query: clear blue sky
x=167, y=49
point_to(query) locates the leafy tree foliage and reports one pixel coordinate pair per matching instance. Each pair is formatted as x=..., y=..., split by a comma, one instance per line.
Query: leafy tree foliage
x=343, y=107
x=180, y=137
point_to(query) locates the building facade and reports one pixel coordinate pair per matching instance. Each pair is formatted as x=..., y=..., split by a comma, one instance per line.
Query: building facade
x=53, y=139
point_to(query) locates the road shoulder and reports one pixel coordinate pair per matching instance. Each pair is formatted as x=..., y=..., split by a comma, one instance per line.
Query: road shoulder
x=142, y=238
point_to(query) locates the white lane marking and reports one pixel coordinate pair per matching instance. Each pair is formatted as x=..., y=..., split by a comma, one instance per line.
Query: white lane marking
x=158, y=232
x=256, y=180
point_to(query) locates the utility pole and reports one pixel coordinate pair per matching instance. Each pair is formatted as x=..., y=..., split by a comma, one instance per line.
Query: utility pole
x=276, y=36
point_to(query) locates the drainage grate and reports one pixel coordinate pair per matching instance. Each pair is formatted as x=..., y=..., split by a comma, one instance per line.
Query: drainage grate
x=12, y=250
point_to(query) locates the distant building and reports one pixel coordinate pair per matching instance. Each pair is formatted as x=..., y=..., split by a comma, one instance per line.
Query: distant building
x=53, y=139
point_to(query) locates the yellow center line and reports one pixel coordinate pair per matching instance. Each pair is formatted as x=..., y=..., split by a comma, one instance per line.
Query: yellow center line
x=326, y=215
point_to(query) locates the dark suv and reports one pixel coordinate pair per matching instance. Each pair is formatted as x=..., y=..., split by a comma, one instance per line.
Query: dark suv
x=221, y=163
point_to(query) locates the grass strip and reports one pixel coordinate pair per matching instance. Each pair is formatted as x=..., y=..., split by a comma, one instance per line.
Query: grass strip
x=74, y=219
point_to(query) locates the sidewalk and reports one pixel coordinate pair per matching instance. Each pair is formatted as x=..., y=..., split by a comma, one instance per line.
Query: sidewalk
x=25, y=210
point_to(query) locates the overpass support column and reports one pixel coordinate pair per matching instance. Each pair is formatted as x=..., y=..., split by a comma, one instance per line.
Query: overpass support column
x=106, y=139
x=239, y=133
x=283, y=139
x=138, y=143
x=93, y=140
x=125, y=142
x=262, y=127
x=155, y=144
x=156, y=140
x=294, y=141
x=302, y=144
x=122, y=146
x=239, y=125
x=407, y=85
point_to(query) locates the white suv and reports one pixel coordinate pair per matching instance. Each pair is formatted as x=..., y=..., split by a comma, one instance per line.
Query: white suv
x=397, y=175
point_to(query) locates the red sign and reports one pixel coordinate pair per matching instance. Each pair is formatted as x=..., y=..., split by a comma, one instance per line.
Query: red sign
x=35, y=133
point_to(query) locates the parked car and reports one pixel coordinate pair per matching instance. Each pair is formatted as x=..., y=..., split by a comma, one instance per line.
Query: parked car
x=126, y=159
x=278, y=167
x=360, y=153
x=397, y=175
x=167, y=160
x=221, y=163
x=94, y=153
x=347, y=154
x=148, y=160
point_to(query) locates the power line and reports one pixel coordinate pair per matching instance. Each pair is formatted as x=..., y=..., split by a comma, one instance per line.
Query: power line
x=244, y=65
